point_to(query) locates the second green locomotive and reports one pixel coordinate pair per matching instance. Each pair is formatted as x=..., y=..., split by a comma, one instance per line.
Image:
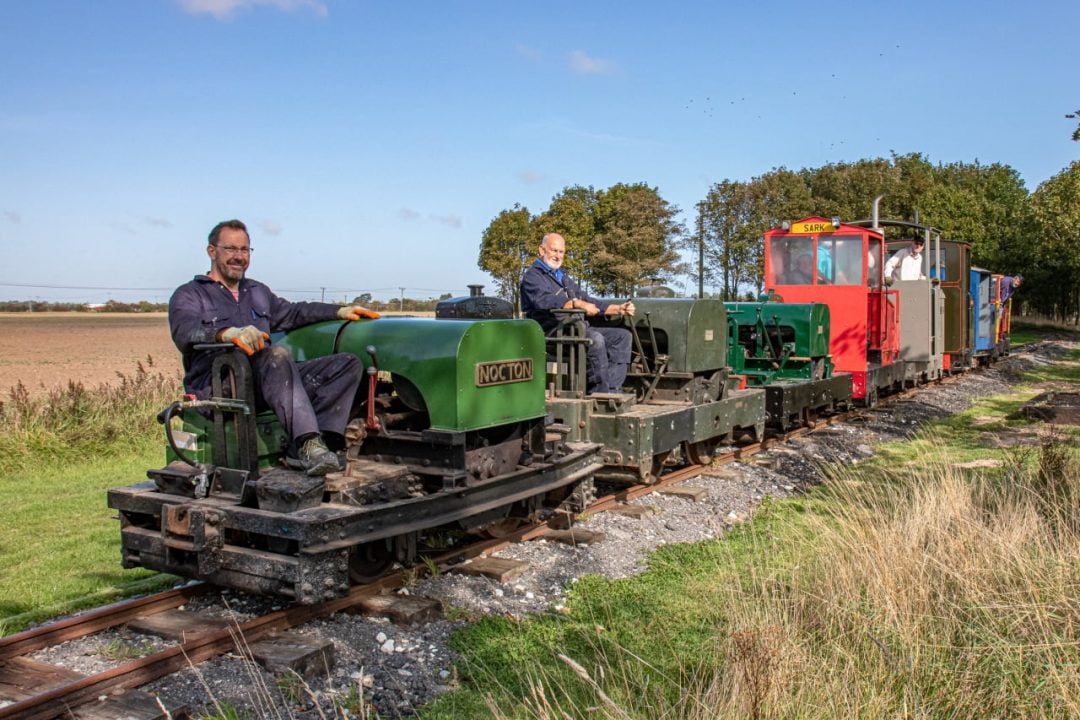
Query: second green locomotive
x=680, y=398
x=784, y=349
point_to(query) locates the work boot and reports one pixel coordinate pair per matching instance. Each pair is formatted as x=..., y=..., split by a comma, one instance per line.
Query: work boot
x=316, y=458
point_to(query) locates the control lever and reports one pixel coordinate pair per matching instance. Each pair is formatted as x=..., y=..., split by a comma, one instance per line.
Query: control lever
x=373, y=378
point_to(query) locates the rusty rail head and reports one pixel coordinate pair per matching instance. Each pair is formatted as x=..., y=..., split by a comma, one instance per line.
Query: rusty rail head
x=93, y=621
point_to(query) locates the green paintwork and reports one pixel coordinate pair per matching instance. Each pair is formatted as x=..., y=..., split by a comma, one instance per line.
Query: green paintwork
x=804, y=343
x=634, y=434
x=439, y=358
x=692, y=333
x=269, y=436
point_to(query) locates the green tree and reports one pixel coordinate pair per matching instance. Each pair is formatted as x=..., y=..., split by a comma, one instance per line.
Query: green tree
x=637, y=238
x=985, y=205
x=1055, y=271
x=572, y=214
x=847, y=190
x=506, y=248
x=722, y=229
x=734, y=215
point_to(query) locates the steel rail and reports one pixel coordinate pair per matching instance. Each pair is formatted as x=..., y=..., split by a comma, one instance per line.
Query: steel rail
x=96, y=620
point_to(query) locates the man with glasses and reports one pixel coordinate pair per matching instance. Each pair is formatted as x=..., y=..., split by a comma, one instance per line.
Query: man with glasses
x=312, y=399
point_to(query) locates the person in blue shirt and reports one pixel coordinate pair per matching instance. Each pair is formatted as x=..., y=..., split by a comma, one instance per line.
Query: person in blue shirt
x=312, y=399
x=546, y=287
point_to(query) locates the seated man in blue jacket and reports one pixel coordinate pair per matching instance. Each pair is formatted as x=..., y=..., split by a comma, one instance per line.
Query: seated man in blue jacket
x=546, y=287
x=312, y=399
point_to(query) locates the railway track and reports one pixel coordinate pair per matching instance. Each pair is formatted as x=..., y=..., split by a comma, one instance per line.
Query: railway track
x=40, y=691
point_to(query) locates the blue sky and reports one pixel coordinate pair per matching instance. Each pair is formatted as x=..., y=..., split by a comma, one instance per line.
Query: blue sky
x=368, y=145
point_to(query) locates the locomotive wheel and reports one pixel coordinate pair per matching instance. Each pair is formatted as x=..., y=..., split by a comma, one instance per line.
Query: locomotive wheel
x=702, y=453
x=656, y=467
x=368, y=562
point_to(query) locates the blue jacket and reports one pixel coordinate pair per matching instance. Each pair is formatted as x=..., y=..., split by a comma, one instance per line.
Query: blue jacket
x=202, y=307
x=541, y=293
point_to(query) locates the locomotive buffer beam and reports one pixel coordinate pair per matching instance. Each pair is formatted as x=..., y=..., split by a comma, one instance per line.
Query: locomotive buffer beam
x=304, y=554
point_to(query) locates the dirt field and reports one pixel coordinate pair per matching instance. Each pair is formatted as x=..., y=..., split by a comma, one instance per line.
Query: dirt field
x=44, y=350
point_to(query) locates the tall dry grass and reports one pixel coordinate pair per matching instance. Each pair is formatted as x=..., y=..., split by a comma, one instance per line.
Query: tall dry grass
x=71, y=422
x=914, y=593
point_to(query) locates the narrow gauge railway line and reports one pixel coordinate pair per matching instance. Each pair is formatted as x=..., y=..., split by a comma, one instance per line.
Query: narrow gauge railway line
x=64, y=691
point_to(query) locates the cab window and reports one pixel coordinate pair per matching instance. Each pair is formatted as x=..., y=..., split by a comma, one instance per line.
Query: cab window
x=792, y=260
x=839, y=260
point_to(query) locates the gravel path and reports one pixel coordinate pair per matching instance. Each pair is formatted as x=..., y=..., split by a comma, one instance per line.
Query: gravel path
x=397, y=669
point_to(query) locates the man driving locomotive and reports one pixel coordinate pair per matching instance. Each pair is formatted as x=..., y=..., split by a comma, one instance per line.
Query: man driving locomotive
x=311, y=399
x=546, y=287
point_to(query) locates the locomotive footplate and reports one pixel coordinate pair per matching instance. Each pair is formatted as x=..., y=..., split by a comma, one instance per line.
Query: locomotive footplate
x=788, y=402
x=305, y=554
x=635, y=437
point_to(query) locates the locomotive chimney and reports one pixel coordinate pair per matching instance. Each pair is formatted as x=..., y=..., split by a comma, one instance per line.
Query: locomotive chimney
x=874, y=213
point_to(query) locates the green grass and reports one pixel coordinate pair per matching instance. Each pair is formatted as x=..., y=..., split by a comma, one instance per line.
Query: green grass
x=1023, y=333
x=59, y=543
x=72, y=423
x=654, y=630
x=1024, y=336
x=59, y=453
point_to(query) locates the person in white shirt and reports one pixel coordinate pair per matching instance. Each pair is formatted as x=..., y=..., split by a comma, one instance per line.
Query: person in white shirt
x=906, y=264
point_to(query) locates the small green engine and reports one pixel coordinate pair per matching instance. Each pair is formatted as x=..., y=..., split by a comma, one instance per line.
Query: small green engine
x=769, y=340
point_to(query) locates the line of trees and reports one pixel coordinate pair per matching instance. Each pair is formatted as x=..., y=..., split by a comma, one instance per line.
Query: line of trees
x=403, y=304
x=628, y=235
x=112, y=306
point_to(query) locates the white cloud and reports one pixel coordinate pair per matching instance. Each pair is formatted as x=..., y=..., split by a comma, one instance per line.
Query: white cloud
x=269, y=227
x=158, y=221
x=581, y=62
x=224, y=9
x=408, y=214
x=453, y=221
x=12, y=217
x=530, y=177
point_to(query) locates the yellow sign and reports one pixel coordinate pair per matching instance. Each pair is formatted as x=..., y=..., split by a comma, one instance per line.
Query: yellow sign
x=812, y=228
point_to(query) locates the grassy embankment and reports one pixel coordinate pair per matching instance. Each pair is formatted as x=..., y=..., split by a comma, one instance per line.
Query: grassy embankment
x=59, y=453
x=906, y=587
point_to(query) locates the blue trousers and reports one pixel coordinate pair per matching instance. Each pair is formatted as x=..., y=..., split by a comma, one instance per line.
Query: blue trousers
x=607, y=360
x=308, y=397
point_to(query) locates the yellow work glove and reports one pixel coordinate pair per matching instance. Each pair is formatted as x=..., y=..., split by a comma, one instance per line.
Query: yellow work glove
x=250, y=339
x=355, y=312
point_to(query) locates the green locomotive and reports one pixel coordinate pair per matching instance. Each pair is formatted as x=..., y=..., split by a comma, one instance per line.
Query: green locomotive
x=784, y=349
x=449, y=431
x=679, y=399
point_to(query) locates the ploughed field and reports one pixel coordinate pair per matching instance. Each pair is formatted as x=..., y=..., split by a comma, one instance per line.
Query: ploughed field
x=45, y=350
